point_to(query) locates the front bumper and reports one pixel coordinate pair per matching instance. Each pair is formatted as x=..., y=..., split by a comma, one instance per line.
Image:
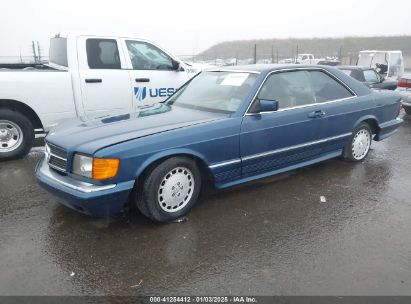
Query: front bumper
x=94, y=200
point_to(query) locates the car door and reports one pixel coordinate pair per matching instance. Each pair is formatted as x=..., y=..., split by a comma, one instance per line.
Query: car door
x=105, y=82
x=153, y=72
x=274, y=140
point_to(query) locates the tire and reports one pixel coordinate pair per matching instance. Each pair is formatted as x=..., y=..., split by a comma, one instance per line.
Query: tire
x=359, y=144
x=16, y=135
x=169, y=190
x=407, y=110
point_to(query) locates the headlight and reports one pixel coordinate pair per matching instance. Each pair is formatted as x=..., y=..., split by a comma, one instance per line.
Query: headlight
x=83, y=165
x=95, y=168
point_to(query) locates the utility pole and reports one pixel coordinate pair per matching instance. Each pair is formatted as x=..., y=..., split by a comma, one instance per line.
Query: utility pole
x=272, y=54
x=255, y=53
x=38, y=52
x=277, y=55
x=33, y=46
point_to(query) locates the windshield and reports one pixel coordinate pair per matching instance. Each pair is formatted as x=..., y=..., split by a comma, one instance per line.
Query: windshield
x=348, y=72
x=222, y=92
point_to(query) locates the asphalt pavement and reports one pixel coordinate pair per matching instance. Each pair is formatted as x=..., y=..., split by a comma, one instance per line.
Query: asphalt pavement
x=334, y=228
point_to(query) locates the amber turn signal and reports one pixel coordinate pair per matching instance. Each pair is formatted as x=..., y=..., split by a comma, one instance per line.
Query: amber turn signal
x=104, y=168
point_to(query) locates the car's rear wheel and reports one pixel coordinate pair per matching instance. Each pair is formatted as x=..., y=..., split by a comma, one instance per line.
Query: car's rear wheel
x=407, y=110
x=16, y=135
x=169, y=190
x=358, y=146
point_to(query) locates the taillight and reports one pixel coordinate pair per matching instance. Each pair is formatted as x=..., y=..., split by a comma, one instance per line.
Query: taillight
x=404, y=83
x=399, y=109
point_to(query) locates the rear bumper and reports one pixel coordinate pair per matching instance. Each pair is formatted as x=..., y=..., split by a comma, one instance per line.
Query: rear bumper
x=99, y=201
x=388, y=128
x=406, y=97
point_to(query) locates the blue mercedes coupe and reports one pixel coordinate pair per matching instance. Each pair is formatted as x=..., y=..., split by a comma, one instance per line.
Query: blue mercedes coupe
x=228, y=126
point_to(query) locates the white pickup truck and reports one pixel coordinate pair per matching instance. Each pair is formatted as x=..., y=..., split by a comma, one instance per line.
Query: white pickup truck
x=88, y=75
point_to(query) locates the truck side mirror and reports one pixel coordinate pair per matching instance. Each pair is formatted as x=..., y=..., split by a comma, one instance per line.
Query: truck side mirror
x=175, y=65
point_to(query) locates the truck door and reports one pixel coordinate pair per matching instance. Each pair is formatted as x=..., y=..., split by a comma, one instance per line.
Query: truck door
x=105, y=82
x=153, y=73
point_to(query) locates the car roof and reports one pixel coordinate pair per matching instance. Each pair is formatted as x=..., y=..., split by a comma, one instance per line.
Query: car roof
x=265, y=68
x=353, y=67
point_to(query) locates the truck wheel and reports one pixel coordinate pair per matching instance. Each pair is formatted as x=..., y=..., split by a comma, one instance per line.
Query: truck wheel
x=16, y=135
x=358, y=146
x=170, y=190
x=407, y=110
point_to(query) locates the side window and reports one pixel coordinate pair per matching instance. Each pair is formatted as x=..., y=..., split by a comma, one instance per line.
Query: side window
x=370, y=76
x=290, y=89
x=327, y=88
x=145, y=56
x=102, y=54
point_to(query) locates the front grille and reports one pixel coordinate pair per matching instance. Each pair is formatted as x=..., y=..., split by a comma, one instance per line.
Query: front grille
x=56, y=157
x=57, y=151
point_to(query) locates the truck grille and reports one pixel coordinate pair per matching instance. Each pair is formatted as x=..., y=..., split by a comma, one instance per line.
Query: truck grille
x=56, y=157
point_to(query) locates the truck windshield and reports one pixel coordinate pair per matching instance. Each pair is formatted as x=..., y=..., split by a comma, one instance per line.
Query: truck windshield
x=222, y=92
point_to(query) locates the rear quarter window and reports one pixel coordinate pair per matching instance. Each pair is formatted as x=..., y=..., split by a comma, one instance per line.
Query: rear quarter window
x=327, y=88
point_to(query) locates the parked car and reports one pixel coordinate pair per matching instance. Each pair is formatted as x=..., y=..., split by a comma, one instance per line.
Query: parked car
x=310, y=59
x=404, y=88
x=369, y=77
x=228, y=126
x=88, y=75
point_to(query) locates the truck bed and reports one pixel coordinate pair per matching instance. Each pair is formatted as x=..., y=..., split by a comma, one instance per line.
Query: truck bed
x=24, y=66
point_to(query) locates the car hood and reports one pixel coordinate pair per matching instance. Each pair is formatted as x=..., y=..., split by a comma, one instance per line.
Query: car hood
x=90, y=135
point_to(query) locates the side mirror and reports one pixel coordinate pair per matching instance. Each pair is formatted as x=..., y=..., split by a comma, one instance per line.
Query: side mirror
x=176, y=65
x=264, y=105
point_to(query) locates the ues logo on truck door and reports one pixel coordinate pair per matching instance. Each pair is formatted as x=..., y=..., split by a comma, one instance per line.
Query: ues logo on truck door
x=142, y=92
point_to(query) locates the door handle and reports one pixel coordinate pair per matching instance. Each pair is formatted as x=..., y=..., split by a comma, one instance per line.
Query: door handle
x=142, y=79
x=316, y=114
x=93, y=80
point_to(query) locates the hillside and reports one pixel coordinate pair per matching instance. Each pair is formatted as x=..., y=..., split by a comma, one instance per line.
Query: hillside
x=347, y=47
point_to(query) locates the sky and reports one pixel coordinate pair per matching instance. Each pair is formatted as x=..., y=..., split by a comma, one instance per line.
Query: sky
x=188, y=27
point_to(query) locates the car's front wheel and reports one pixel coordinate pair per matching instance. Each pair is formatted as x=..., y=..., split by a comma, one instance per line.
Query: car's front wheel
x=358, y=146
x=169, y=190
x=407, y=110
